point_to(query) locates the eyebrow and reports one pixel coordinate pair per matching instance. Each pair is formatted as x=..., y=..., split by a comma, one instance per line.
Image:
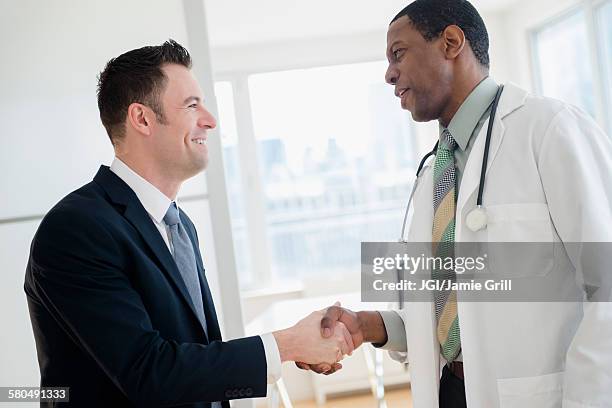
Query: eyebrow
x=393, y=44
x=190, y=99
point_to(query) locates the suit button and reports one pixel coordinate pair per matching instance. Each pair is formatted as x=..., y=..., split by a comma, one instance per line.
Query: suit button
x=235, y=393
x=249, y=392
x=228, y=394
x=241, y=392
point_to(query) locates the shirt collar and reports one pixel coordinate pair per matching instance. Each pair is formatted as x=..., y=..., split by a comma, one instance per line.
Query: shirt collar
x=471, y=110
x=154, y=201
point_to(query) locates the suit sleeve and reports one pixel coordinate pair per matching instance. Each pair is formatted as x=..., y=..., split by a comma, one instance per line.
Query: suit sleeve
x=77, y=274
x=576, y=171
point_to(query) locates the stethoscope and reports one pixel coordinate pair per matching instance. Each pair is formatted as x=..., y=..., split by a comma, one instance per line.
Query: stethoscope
x=476, y=220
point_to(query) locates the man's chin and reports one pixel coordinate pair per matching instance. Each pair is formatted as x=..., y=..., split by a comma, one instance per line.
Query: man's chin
x=201, y=165
x=196, y=168
x=418, y=117
x=413, y=112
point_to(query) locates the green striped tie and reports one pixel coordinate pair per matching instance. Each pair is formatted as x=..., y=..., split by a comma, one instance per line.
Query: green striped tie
x=443, y=240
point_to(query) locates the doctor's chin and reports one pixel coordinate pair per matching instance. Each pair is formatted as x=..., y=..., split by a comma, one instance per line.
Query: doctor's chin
x=392, y=204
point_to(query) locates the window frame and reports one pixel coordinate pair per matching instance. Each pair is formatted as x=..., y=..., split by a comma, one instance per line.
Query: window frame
x=604, y=68
x=251, y=180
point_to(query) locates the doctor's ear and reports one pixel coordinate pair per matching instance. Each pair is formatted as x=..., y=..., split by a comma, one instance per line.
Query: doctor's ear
x=140, y=118
x=453, y=39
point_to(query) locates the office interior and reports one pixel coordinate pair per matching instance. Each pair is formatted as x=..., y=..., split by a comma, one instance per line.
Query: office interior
x=312, y=155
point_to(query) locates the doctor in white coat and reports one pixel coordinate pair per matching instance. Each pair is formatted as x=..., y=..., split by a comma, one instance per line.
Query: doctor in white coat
x=548, y=179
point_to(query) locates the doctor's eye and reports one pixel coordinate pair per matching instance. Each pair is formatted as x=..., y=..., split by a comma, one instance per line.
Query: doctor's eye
x=397, y=54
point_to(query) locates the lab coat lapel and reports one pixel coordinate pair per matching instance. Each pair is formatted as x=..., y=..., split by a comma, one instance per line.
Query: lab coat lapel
x=423, y=353
x=423, y=347
x=511, y=99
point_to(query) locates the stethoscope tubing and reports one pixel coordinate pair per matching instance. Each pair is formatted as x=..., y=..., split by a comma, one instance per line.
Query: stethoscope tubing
x=485, y=156
x=483, y=169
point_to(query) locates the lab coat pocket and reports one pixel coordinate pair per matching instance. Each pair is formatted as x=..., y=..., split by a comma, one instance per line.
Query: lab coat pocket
x=513, y=229
x=544, y=391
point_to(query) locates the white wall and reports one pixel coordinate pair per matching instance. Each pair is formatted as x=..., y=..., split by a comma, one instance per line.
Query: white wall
x=329, y=50
x=517, y=22
x=52, y=52
x=52, y=138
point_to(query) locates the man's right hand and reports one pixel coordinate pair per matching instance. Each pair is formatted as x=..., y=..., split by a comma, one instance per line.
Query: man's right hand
x=365, y=326
x=303, y=342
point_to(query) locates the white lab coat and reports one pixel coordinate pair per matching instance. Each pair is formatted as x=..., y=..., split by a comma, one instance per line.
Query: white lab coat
x=549, y=178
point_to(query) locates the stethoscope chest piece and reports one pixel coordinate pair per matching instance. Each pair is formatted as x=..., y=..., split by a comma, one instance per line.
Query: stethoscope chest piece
x=476, y=219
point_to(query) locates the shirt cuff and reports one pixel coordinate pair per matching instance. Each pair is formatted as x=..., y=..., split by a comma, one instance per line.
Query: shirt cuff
x=273, y=360
x=396, y=331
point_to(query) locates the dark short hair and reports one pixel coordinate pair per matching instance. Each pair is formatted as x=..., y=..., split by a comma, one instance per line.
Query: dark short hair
x=136, y=76
x=431, y=17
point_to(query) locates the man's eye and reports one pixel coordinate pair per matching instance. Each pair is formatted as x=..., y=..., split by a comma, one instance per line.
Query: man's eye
x=396, y=53
x=193, y=105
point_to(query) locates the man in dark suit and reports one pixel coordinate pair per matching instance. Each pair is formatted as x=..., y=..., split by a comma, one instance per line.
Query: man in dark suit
x=116, y=289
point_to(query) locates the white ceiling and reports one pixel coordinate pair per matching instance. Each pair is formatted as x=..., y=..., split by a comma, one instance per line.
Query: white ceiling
x=239, y=22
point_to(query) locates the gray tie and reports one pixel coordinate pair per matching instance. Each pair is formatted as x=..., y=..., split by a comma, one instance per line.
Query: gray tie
x=185, y=259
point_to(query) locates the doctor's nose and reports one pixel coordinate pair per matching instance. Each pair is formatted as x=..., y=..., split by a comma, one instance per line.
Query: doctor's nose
x=391, y=75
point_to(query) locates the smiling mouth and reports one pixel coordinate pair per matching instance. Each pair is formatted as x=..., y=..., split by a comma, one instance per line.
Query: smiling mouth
x=403, y=91
x=199, y=141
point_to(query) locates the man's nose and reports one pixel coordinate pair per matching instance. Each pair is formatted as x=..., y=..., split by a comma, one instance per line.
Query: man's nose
x=207, y=120
x=391, y=75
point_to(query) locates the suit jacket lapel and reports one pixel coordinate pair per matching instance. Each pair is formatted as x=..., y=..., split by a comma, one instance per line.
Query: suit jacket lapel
x=121, y=193
x=214, y=332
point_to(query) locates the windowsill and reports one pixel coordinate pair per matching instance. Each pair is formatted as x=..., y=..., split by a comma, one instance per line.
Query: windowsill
x=284, y=288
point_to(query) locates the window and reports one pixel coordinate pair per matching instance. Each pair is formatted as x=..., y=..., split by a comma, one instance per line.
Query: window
x=572, y=59
x=604, y=31
x=336, y=161
x=336, y=164
x=563, y=62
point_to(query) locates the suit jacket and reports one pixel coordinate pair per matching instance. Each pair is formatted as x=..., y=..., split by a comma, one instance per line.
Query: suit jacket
x=112, y=317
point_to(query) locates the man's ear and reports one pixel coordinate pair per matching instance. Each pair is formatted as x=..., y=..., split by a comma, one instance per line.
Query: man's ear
x=139, y=117
x=453, y=39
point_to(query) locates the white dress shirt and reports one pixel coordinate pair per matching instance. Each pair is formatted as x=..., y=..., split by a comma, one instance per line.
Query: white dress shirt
x=156, y=204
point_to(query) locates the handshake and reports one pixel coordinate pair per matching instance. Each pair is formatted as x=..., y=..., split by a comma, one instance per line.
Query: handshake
x=319, y=341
